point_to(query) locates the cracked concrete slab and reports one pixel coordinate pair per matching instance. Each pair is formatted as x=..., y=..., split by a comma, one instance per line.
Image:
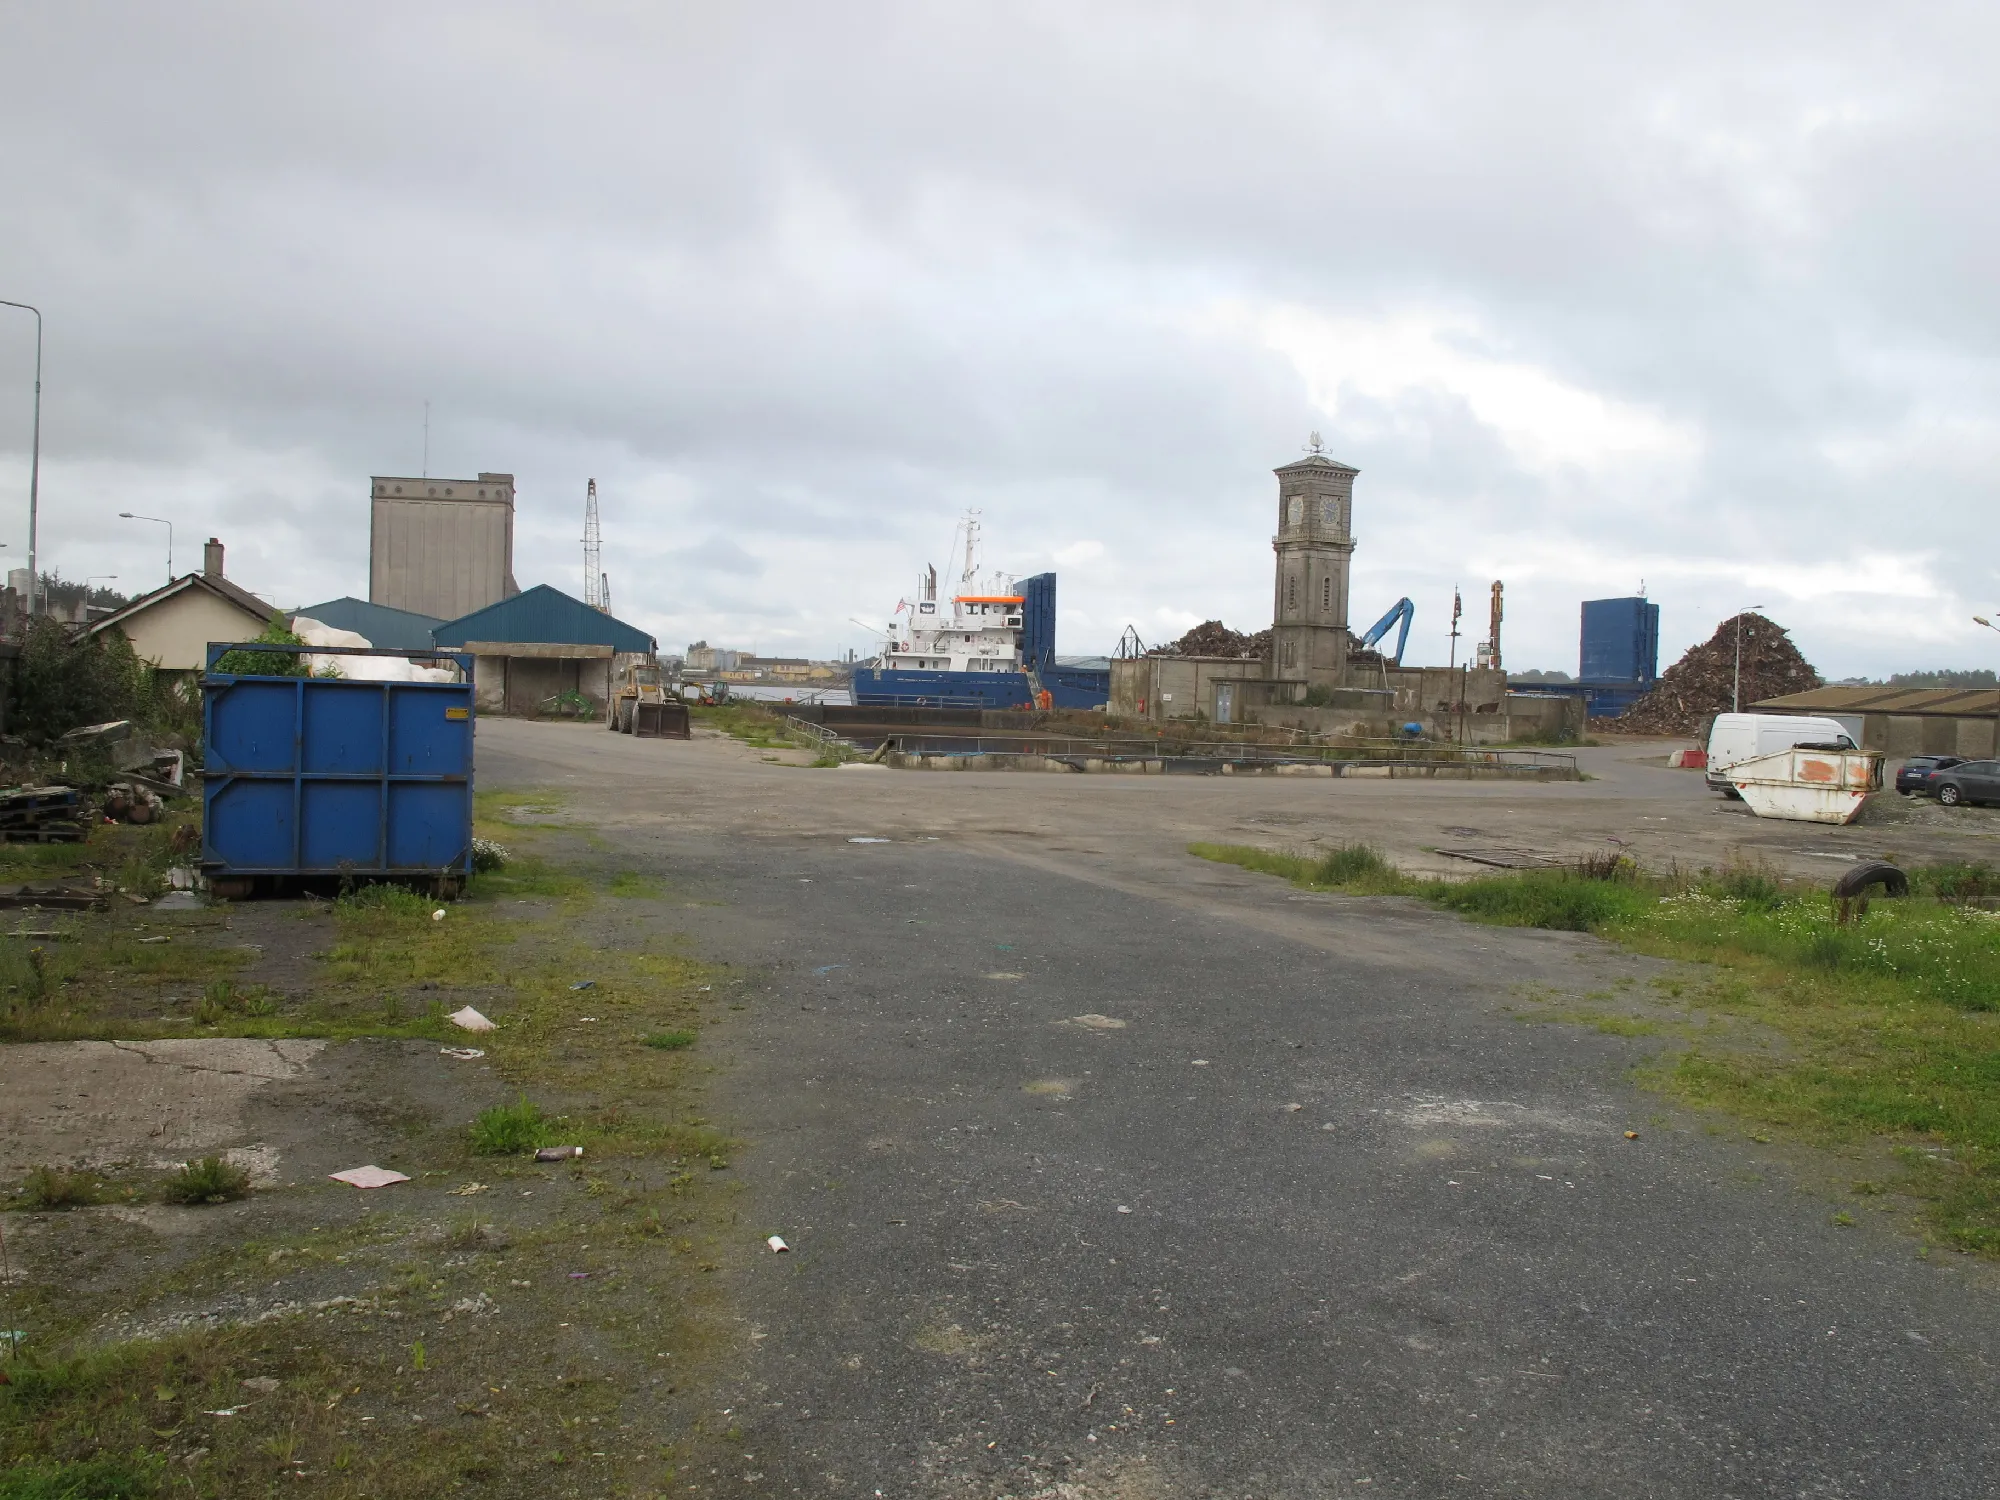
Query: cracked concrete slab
x=99, y=1104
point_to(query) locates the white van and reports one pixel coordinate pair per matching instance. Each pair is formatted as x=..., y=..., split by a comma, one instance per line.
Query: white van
x=1740, y=737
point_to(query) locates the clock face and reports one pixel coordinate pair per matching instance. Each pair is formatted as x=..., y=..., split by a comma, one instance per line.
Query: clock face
x=1329, y=512
x=1297, y=510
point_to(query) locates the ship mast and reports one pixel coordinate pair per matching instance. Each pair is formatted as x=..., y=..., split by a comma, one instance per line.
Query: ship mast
x=971, y=545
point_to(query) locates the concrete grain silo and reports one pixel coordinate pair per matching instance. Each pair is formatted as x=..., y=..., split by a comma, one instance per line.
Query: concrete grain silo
x=441, y=547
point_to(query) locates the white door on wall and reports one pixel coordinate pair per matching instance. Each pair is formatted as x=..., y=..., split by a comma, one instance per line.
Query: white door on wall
x=1225, y=702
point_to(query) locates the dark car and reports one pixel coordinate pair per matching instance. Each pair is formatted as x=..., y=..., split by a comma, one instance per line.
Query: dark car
x=1969, y=781
x=1918, y=772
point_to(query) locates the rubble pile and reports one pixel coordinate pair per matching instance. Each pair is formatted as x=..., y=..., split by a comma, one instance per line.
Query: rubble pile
x=1213, y=638
x=1700, y=683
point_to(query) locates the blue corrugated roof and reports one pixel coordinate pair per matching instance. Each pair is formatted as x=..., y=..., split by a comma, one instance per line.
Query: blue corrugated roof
x=546, y=615
x=394, y=629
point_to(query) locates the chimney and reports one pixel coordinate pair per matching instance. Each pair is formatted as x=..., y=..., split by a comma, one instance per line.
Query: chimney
x=211, y=559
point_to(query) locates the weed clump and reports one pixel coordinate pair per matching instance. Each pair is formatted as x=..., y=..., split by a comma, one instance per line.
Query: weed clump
x=670, y=1041
x=212, y=1179
x=385, y=899
x=222, y=1000
x=509, y=1129
x=51, y=1187
x=1353, y=864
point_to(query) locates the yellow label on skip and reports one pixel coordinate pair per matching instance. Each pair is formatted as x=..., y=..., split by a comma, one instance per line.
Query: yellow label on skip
x=458, y=713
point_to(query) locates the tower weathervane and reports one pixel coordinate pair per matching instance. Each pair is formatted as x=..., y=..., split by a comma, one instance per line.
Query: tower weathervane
x=1314, y=446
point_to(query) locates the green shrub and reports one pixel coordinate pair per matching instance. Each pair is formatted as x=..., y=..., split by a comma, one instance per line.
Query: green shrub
x=212, y=1179
x=1752, y=885
x=671, y=1041
x=51, y=1187
x=100, y=1478
x=1957, y=882
x=266, y=663
x=62, y=683
x=488, y=856
x=509, y=1129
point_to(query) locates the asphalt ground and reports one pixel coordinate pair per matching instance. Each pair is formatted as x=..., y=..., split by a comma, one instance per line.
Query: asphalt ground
x=1033, y=1254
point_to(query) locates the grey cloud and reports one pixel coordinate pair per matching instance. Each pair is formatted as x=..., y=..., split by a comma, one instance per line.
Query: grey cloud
x=809, y=279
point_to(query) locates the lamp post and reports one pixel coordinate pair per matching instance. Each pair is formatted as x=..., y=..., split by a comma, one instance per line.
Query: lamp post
x=126, y=515
x=34, y=456
x=1982, y=620
x=1736, y=689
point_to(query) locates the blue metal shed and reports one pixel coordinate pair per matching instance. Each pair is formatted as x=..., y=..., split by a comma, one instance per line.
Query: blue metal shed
x=377, y=623
x=548, y=616
x=313, y=776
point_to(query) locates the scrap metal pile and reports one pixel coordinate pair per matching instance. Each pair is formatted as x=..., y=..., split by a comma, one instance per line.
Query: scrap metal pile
x=1213, y=638
x=1702, y=682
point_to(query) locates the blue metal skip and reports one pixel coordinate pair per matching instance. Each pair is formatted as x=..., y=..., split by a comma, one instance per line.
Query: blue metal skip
x=324, y=776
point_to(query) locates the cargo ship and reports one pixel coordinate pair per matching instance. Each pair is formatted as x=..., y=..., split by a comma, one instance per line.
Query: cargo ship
x=989, y=644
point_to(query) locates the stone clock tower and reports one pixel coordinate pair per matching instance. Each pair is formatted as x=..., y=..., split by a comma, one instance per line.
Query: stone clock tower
x=1315, y=546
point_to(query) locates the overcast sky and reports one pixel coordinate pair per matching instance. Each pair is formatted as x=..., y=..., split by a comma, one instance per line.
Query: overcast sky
x=1703, y=296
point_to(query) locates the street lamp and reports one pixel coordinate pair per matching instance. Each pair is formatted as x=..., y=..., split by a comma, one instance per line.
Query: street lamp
x=1736, y=690
x=34, y=454
x=126, y=515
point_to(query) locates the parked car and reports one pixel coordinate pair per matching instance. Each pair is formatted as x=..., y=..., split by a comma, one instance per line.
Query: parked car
x=1973, y=781
x=1915, y=775
x=1739, y=737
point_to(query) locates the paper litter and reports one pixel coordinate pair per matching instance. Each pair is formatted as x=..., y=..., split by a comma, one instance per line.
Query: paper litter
x=469, y=1019
x=368, y=1177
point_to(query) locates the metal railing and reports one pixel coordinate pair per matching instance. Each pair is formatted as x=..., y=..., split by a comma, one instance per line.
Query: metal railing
x=1238, y=752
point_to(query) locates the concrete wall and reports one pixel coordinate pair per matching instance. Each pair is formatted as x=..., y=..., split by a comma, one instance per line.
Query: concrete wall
x=1975, y=736
x=174, y=634
x=1180, y=687
x=1420, y=690
x=443, y=547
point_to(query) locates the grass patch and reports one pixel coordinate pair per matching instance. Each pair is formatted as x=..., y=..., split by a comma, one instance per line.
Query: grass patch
x=211, y=1179
x=1552, y=899
x=1343, y=869
x=1877, y=1021
x=103, y=1478
x=509, y=1129
x=633, y=886
x=670, y=1041
x=747, y=722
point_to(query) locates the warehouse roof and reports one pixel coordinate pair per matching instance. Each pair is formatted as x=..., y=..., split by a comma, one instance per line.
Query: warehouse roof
x=1954, y=702
x=394, y=629
x=544, y=615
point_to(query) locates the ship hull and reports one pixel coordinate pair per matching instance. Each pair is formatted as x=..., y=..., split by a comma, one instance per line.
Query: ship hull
x=1067, y=688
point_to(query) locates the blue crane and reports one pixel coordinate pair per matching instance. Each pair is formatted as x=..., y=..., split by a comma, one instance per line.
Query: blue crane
x=1402, y=610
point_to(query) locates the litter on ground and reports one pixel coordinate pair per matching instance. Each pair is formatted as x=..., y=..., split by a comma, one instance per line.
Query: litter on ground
x=778, y=1246
x=368, y=1177
x=868, y=841
x=558, y=1153
x=584, y=984
x=463, y=1054
x=469, y=1019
